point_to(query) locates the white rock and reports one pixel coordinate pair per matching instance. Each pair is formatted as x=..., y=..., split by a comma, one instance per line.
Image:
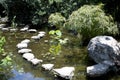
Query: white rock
x=24, y=51
x=28, y=56
x=35, y=37
x=13, y=30
x=25, y=28
x=32, y=30
x=41, y=35
x=65, y=72
x=5, y=29
x=42, y=32
x=2, y=25
x=26, y=41
x=47, y=66
x=36, y=61
x=22, y=45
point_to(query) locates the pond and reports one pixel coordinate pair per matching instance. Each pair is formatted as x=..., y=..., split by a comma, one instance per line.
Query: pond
x=71, y=55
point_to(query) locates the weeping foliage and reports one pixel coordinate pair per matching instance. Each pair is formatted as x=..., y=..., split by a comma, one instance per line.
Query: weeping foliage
x=90, y=21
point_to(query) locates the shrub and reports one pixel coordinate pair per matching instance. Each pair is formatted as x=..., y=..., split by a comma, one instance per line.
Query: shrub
x=90, y=21
x=56, y=19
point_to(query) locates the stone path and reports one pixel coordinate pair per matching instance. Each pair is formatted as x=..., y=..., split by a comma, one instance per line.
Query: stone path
x=23, y=49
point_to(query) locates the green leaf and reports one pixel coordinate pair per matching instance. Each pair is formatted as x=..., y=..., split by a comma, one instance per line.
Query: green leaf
x=52, y=32
x=58, y=33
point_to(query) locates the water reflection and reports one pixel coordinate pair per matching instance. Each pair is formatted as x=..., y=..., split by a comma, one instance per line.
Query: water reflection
x=24, y=76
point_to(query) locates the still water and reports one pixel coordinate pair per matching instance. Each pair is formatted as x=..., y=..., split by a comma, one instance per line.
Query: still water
x=71, y=55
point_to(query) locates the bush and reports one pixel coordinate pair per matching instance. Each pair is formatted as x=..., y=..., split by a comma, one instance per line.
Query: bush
x=90, y=21
x=56, y=19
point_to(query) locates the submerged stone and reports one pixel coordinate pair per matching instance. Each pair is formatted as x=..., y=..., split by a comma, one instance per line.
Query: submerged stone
x=99, y=69
x=65, y=72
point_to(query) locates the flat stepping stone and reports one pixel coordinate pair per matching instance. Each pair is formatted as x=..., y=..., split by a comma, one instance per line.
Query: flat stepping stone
x=32, y=30
x=25, y=28
x=2, y=25
x=42, y=32
x=28, y=56
x=5, y=29
x=41, y=35
x=22, y=45
x=47, y=66
x=36, y=61
x=13, y=30
x=65, y=72
x=35, y=37
x=24, y=51
x=26, y=41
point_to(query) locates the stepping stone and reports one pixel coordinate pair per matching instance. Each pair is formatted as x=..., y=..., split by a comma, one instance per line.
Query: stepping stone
x=24, y=51
x=36, y=61
x=5, y=29
x=41, y=35
x=22, y=45
x=47, y=66
x=28, y=56
x=26, y=41
x=25, y=28
x=65, y=72
x=13, y=30
x=2, y=25
x=35, y=37
x=32, y=30
x=42, y=32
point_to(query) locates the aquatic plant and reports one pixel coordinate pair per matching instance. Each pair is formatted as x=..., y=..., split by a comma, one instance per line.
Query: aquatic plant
x=90, y=21
x=2, y=42
x=56, y=41
x=13, y=24
x=5, y=60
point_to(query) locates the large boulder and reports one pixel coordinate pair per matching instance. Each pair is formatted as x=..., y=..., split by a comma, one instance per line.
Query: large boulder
x=103, y=48
x=105, y=51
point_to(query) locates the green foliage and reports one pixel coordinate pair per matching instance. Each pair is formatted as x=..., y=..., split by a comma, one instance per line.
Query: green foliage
x=37, y=11
x=55, y=34
x=2, y=42
x=56, y=41
x=56, y=19
x=90, y=21
x=13, y=24
x=5, y=61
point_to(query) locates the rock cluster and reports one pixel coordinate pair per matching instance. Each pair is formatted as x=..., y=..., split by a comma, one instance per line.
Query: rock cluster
x=64, y=72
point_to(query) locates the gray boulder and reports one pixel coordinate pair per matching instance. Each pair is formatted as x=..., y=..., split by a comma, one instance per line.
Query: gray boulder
x=105, y=51
x=103, y=48
x=99, y=69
